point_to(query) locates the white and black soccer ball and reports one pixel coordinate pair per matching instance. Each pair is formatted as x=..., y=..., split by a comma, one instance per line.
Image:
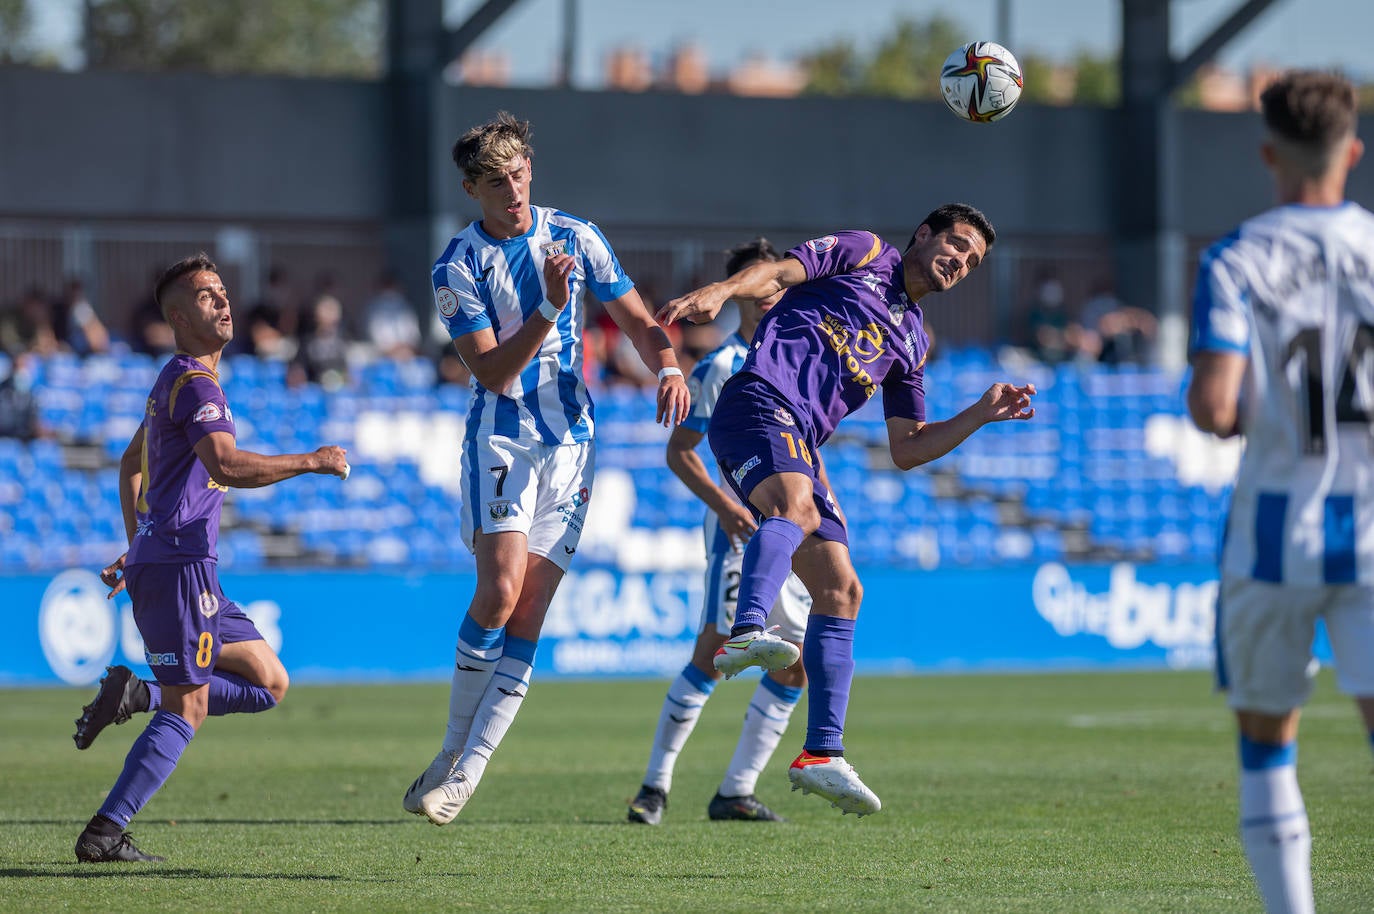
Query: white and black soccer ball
x=981, y=82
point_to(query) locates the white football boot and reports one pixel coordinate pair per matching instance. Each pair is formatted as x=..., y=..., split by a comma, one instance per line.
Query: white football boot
x=763, y=649
x=444, y=802
x=834, y=779
x=438, y=771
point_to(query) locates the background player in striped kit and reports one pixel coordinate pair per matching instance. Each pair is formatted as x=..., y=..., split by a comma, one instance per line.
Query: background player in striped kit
x=728, y=526
x=1283, y=353
x=207, y=656
x=509, y=289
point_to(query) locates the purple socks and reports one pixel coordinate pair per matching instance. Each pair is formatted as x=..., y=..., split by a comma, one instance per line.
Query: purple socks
x=767, y=561
x=230, y=693
x=828, y=655
x=150, y=761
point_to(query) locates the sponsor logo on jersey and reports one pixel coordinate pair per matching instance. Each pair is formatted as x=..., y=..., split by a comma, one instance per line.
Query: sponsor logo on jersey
x=783, y=416
x=745, y=467
x=856, y=349
x=570, y=550
x=166, y=659
x=554, y=248
x=823, y=244
x=211, y=484
x=583, y=496
x=144, y=528
x=499, y=509
x=447, y=300
x=209, y=603
x=483, y=276
x=208, y=412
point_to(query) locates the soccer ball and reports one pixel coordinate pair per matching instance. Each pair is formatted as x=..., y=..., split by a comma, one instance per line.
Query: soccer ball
x=981, y=82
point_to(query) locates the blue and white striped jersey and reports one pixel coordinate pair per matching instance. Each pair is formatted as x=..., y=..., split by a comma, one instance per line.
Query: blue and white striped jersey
x=481, y=282
x=707, y=378
x=1293, y=290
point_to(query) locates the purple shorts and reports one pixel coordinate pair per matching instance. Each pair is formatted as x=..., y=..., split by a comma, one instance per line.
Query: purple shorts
x=184, y=618
x=754, y=434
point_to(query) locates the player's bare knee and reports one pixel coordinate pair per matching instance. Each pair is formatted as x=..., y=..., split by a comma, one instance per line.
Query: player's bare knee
x=804, y=515
x=277, y=684
x=841, y=597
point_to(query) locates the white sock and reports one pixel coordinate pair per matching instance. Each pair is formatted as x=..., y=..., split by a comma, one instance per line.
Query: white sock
x=505, y=693
x=478, y=651
x=765, y=722
x=1273, y=827
x=681, y=710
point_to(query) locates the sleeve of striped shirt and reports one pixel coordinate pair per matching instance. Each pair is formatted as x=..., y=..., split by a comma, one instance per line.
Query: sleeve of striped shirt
x=704, y=386
x=455, y=295
x=606, y=279
x=1221, y=303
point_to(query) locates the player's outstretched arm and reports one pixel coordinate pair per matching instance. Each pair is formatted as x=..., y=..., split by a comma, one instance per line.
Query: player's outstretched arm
x=1214, y=392
x=239, y=469
x=656, y=352
x=688, y=466
x=754, y=282
x=913, y=443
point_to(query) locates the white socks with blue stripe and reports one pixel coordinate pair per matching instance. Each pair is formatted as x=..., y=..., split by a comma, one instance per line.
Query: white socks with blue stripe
x=1273, y=826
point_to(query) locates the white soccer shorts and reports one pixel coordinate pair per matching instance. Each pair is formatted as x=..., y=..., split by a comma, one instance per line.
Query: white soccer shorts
x=537, y=489
x=722, y=591
x=1265, y=634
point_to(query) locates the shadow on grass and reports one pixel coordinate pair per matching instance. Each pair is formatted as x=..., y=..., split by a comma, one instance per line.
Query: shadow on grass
x=106, y=870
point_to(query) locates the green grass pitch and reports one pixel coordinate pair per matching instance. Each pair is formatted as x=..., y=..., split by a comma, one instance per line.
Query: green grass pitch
x=1074, y=793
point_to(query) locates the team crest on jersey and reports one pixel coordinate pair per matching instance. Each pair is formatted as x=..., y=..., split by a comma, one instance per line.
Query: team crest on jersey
x=209, y=604
x=447, y=299
x=499, y=509
x=208, y=412
x=783, y=416
x=821, y=245
x=554, y=248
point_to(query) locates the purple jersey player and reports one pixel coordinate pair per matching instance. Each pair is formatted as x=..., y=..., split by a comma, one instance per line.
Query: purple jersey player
x=205, y=653
x=848, y=326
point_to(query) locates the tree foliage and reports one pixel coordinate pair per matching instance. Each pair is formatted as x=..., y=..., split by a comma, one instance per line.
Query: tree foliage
x=905, y=64
x=14, y=32
x=292, y=37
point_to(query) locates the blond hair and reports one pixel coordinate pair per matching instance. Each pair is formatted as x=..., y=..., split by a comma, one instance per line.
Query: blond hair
x=490, y=147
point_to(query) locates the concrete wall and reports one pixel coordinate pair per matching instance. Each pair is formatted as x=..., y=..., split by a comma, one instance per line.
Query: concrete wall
x=105, y=145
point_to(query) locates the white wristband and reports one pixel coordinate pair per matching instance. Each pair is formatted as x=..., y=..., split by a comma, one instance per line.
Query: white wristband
x=669, y=372
x=549, y=312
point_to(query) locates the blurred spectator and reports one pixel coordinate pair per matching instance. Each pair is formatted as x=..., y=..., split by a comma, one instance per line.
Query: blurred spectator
x=272, y=321
x=393, y=325
x=322, y=356
x=29, y=326
x=18, y=406
x=149, y=332
x=1054, y=338
x=621, y=364
x=82, y=329
x=1127, y=334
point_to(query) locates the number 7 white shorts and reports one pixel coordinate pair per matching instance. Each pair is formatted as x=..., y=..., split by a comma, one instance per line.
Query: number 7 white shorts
x=540, y=490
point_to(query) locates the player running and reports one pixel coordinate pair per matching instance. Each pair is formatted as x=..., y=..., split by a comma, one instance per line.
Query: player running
x=206, y=654
x=728, y=525
x=1283, y=353
x=509, y=289
x=849, y=325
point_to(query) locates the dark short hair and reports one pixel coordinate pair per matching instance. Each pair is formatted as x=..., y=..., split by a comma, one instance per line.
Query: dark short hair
x=488, y=147
x=758, y=249
x=1312, y=109
x=196, y=263
x=942, y=217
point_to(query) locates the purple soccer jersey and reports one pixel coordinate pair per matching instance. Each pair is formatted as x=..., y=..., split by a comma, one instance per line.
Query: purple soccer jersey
x=850, y=329
x=179, y=504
